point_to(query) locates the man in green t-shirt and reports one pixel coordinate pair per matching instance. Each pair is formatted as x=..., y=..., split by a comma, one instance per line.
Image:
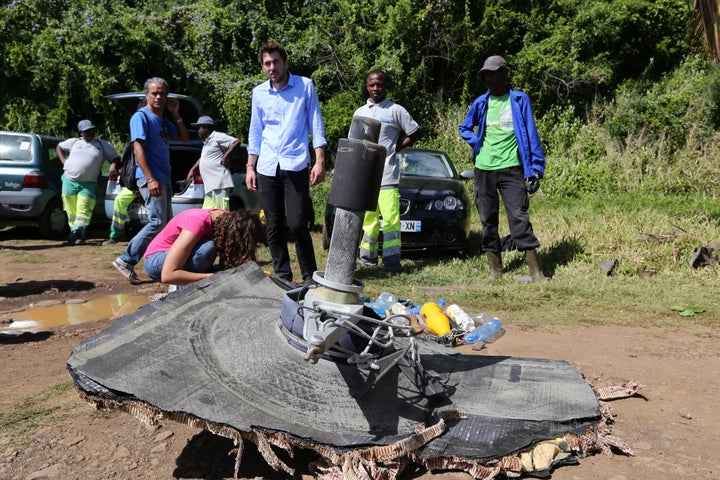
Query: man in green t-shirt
x=509, y=161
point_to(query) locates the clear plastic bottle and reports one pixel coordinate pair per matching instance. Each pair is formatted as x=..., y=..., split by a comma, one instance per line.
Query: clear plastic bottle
x=483, y=332
x=399, y=308
x=386, y=300
x=461, y=319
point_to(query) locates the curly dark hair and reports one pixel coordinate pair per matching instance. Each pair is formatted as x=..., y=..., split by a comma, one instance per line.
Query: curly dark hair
x=236, y=235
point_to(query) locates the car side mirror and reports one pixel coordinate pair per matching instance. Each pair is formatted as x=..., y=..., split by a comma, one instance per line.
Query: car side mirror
x=467, y=174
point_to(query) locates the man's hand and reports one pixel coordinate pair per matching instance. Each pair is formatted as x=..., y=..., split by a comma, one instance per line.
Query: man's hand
x=153, y=187
x=113, y=171
x=533, y=184
x=251, y=179
x=317, y=174
x=173, y=106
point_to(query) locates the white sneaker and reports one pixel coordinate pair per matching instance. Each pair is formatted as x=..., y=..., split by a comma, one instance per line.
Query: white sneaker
x=126, y=272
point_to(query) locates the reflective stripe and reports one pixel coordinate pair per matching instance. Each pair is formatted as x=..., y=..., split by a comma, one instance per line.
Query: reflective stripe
x=78, y=209
x=389, y=207
x=84, y=209
x=120, y=215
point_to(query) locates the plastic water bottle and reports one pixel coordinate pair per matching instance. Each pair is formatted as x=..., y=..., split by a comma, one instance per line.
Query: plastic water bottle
x=461, y=319
x=372, y=304
x=483, y=332
x=437, y=322
x=399, y=308
x=386, y=300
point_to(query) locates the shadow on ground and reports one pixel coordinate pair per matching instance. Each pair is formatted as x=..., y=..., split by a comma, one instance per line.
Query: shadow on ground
x=33, y=287
x=212, y=457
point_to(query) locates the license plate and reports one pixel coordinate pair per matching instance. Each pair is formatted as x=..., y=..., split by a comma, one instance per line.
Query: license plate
x=410, y=226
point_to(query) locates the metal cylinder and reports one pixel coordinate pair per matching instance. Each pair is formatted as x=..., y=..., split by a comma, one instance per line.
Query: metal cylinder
x=365, y=128
x=358, y=172
x=359, y=165
x=344, y=244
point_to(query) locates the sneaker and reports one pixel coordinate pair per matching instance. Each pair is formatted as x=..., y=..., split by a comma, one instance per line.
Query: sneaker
x=364, y=263
x=75, y=238
x=126, y=272
x=110, y=241
x=309, y=282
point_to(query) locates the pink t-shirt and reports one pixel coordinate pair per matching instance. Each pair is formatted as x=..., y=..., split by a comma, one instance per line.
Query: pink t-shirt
x=195, y=220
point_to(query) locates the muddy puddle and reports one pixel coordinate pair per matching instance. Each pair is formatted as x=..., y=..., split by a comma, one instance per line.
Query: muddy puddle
x=35, y=320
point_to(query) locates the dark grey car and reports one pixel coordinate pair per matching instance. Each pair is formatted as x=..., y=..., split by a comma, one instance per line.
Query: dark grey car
x=434, y=206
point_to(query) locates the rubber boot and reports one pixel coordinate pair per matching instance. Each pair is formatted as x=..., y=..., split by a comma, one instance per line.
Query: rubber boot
x=495, y=265
x=535, y=270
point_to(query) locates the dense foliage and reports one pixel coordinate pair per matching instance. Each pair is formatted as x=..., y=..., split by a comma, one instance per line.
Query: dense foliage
x=584, y=62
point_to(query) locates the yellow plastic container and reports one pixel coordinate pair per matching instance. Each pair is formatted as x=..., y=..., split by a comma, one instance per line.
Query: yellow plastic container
x=437, y=322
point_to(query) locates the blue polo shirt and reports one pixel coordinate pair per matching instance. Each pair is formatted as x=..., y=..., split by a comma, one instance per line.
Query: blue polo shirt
x=156, y=133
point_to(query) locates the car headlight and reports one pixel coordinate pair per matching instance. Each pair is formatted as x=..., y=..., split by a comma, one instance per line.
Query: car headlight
x=450, y=202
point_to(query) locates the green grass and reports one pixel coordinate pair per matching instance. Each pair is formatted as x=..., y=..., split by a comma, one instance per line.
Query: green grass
x=652, y=237
x=25, y=256
x=40, y=408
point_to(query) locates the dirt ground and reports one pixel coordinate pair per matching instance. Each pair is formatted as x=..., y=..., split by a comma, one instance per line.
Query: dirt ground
x=672, y=426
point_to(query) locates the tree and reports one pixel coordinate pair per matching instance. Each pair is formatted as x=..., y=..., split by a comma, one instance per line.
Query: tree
x=707, y=20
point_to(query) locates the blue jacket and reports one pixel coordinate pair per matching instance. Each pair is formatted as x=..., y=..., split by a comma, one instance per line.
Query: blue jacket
x=526, y=134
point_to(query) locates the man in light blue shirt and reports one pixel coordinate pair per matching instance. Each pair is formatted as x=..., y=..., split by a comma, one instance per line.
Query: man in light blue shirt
x=285, y=109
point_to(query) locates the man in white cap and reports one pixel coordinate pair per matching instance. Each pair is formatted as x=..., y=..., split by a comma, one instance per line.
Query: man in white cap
x=509, y=160
x=82, y=160
x=214, y=163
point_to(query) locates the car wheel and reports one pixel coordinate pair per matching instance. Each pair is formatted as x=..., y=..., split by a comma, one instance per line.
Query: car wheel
x=53, y=221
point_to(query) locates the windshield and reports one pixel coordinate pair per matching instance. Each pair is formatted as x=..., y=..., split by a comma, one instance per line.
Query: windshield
x=424, y=164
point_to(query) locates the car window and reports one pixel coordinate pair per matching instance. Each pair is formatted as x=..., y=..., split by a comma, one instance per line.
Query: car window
x=16, y=148
x=424, y=164
x=52, y=154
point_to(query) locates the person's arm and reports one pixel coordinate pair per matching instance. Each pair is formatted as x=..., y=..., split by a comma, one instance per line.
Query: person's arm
x=250, y=176
x=61, y=154
x=112, y=156
x=173, y=272
x=537, y=157
x=173, y=107
x=317, y=127
x=467, y=127
x=152, y=184
x=114, y=169
x=317, y=173
x=225, y=161
x=409, y=140
x=191, y=172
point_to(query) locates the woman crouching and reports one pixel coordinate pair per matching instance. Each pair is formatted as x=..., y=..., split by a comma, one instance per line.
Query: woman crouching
x=185, y=249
